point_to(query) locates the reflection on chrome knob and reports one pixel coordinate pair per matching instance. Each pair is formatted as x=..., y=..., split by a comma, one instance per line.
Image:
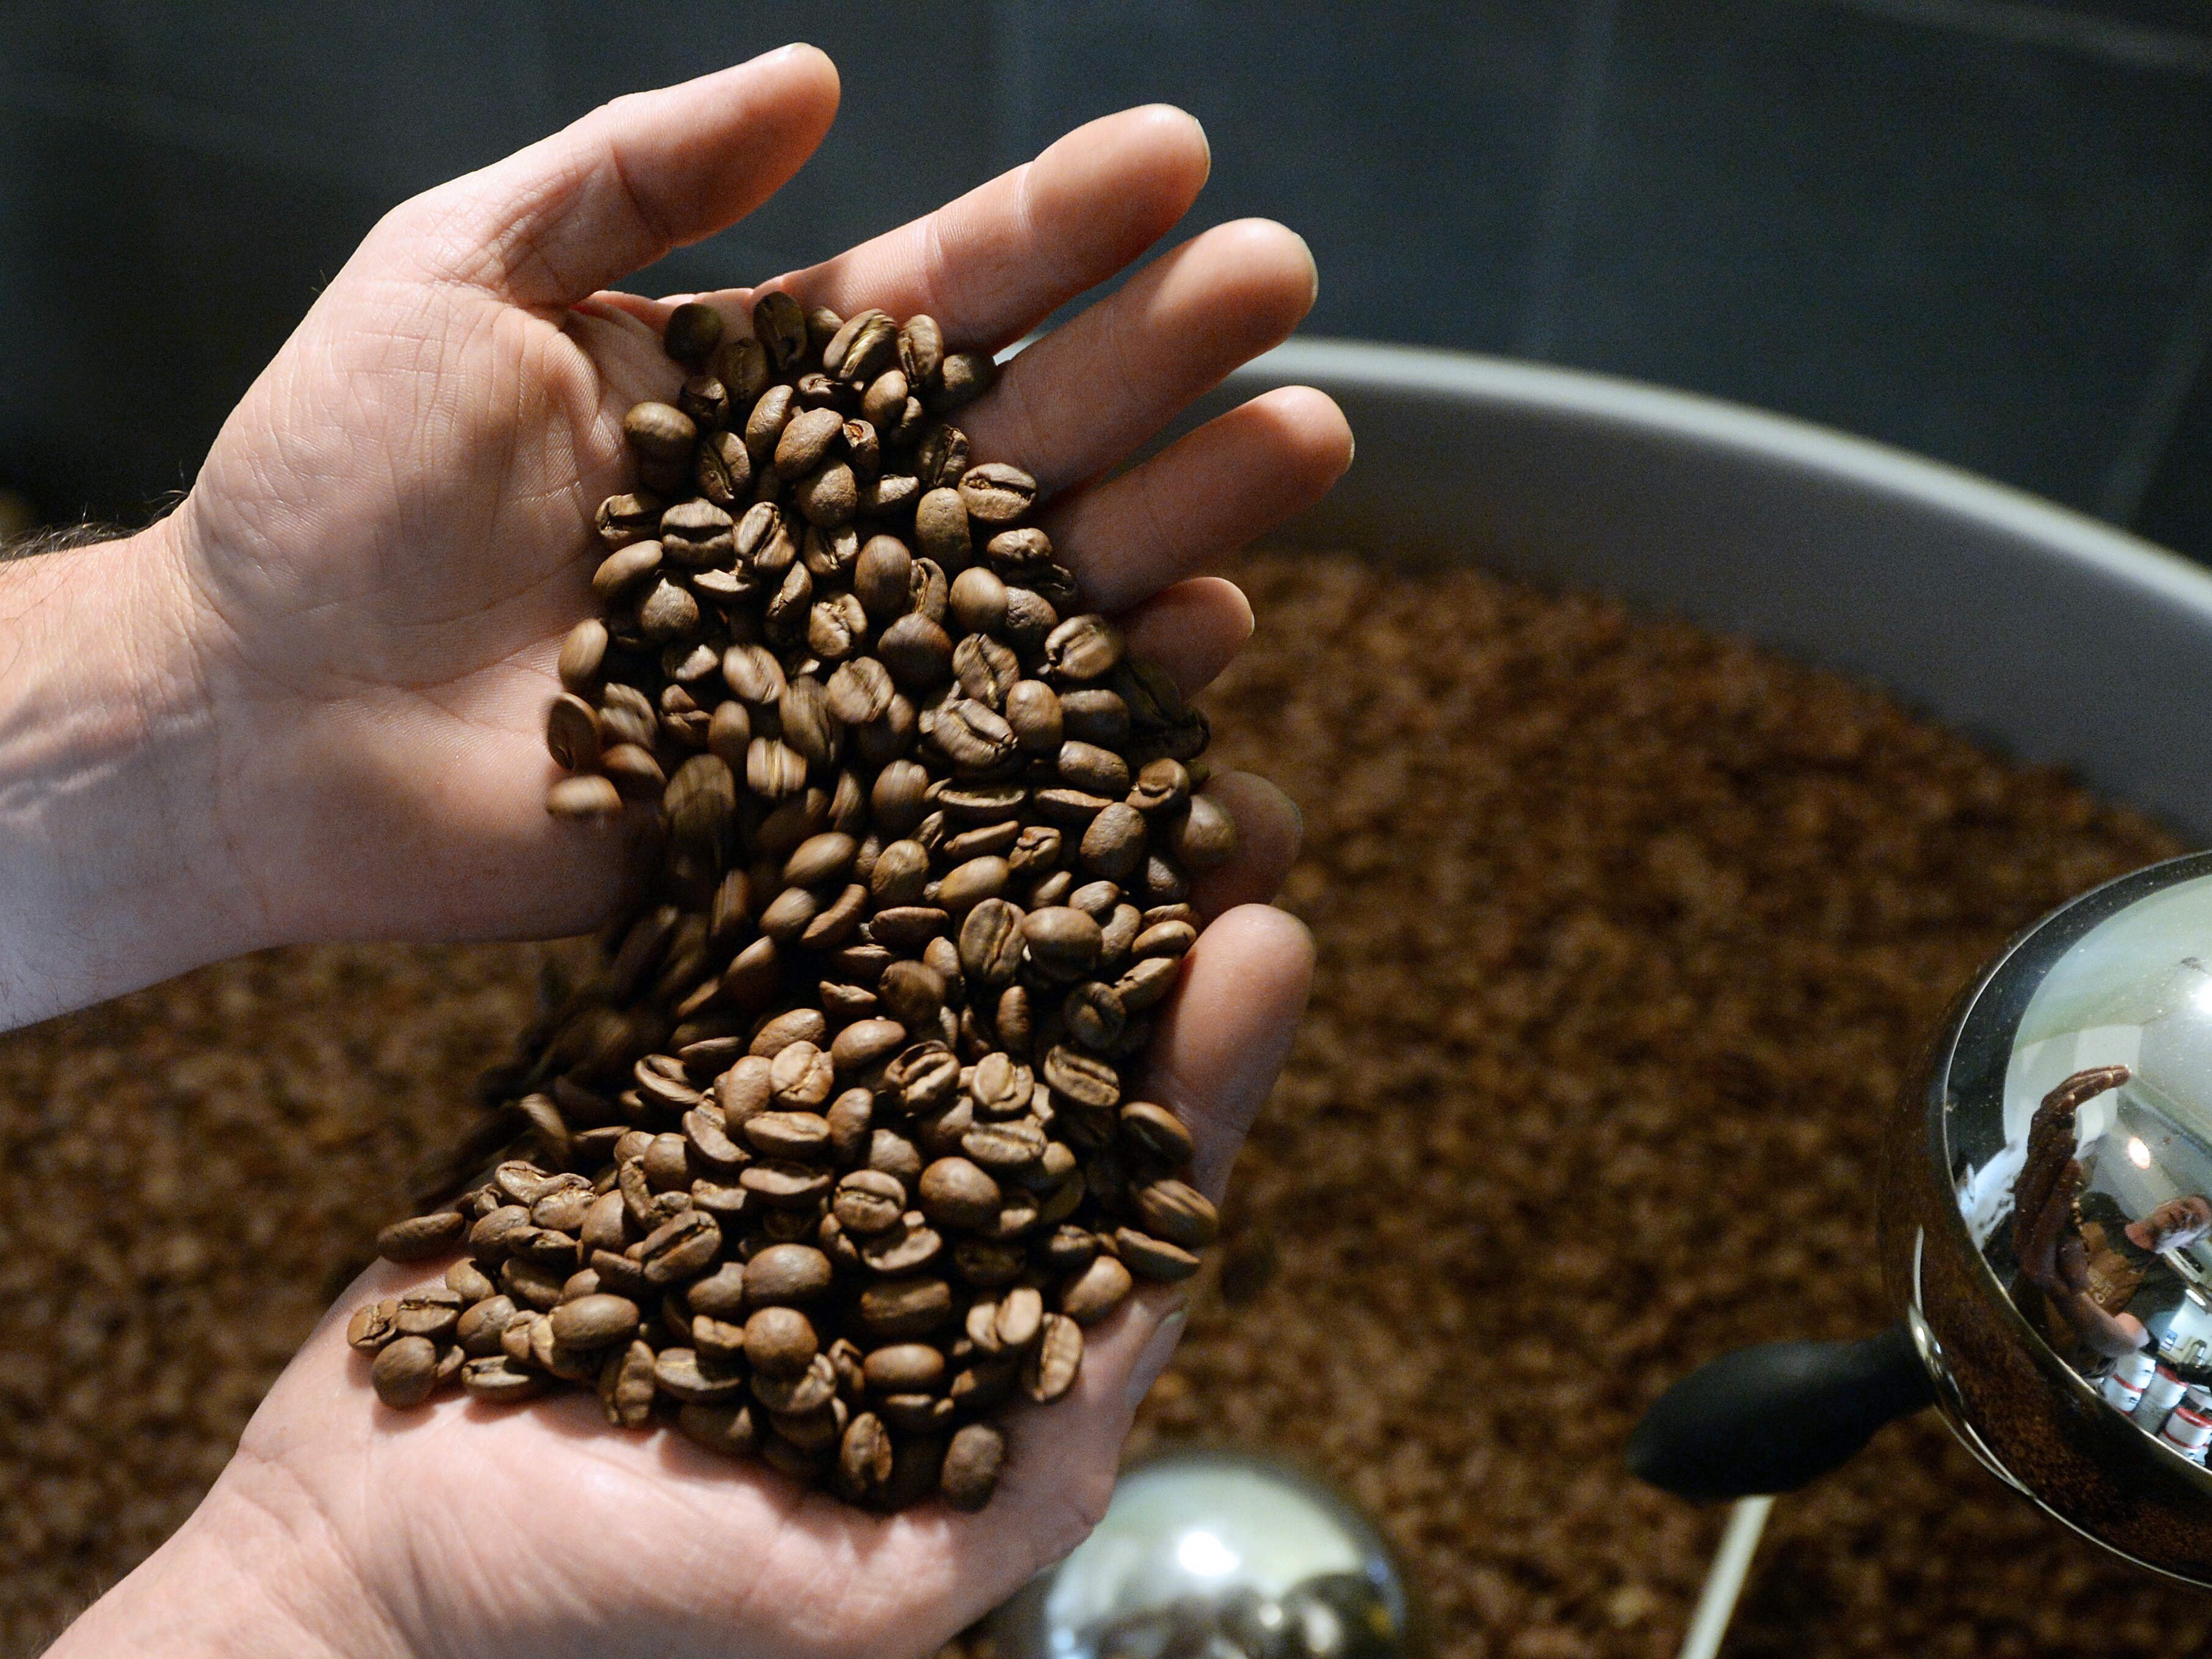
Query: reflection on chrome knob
x=2047, y=1226
x=1216, y=1555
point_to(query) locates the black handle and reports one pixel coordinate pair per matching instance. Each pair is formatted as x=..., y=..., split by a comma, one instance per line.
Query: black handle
x=1770, y=1418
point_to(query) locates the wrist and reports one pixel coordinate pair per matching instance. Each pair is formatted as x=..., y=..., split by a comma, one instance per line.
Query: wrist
x=111, y=873
x=254, y=1572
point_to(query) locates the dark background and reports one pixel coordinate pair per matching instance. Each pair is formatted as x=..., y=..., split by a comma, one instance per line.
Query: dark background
x=1977, y=229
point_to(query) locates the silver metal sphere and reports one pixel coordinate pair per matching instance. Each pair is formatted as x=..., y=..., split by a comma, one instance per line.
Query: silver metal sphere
x=1216, y=1555
x=2047, y=1225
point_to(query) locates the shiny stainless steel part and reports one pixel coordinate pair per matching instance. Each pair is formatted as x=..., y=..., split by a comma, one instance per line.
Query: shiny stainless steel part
x=2121, y=976
x=1208, y=1554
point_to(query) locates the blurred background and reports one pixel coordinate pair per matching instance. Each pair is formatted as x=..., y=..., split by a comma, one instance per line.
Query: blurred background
x=1981, y=229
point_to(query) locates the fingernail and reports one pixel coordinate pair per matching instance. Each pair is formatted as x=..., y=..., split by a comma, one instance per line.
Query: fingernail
x=1159, y=1348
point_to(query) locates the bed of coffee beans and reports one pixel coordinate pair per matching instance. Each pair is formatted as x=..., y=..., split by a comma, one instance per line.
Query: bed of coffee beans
x=834, y=1154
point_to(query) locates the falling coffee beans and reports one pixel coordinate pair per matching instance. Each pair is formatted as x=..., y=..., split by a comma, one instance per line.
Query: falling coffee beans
x=836, y=1156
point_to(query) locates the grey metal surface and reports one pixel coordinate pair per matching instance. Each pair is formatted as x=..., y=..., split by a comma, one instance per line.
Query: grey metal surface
x=2017, y=622
x=1212, y=1553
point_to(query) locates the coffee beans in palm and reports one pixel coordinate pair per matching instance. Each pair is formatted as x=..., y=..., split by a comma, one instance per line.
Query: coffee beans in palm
x=837, y=1156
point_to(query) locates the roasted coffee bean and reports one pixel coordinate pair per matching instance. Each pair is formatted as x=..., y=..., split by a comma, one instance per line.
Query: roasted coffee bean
x=723, y=471
x=1153, y=1258
x=918, y=652
x=864, y=1458
x=668, y=610
x=373, y=1324
x=660, y=432
x=622, y=520
x=628, y=1380
x=1061, y=941
x=725, y=1429
x=431, y=1313
x=696, y=535
x=805, y=442
x=971, y=1466
x=625, y=569
x=986, y=670
x=1095, y=1291
x=905, y=1247
x=997, y=494
x=920, y=349
x=680, y=1248
x=1098, y=771
x=971, y=735
x=956, y=1191
x=810, y=1388
x=850, y=1117
x=1053, y=1364
x=1178, y=1213
x=787, y=1275
x=941, y=458
x=1206, y=836
x=1161, y=786
x=962, y=378
x=694, y=330
x=1083, y=648
x=860, y=690
x=497, y=1380
x=1094, y=1015
x=1113, y=844
x=972, y=883
x=593, y=1322
x=904, y=1368
x=421, y=1237
x=742, y=366
x=780, y=325
x=1005, y=1148
x=865, y=346
x=1158, y=1132
x=1001, y=1086
x=404, y=1371
x=478, y=1329
x=779, y=1341
x=866, y=1043
x=684, y=1377
x=1083, y=1080
x=868, y=1201
x=896, y=1310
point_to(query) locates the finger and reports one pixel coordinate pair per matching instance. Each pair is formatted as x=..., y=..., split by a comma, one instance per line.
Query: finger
x=994, y=263
x=1218, y=1054
x=1204, y=496
x=1062, y=1458
x=1269, y=829
x=620, y=188
x=1215, y=1058
x=1192, y=630
x=1088, y=394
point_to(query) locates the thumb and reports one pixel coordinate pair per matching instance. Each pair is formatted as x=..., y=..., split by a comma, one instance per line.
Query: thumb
x=647, y=173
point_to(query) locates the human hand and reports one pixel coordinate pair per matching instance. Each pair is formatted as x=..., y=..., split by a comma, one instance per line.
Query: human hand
x=396, y=684
x=321, y=683
x=343, y=1527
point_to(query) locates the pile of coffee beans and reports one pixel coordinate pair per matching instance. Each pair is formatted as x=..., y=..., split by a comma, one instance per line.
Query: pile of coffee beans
x=834, y=1153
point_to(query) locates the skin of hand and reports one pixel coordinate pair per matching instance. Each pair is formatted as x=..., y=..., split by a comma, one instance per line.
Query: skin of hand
x=313, y=711
x=309, y=704
x=2044, y=1235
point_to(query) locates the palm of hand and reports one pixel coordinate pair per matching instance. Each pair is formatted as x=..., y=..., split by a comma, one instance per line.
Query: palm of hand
x=388, y=541
x=503, y=1526
x=387, y=544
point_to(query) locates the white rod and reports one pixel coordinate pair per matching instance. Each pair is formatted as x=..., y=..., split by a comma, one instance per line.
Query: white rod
x=1725, y=1578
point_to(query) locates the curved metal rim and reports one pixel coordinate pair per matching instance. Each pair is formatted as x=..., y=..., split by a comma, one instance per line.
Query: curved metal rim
x=1714, y=423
